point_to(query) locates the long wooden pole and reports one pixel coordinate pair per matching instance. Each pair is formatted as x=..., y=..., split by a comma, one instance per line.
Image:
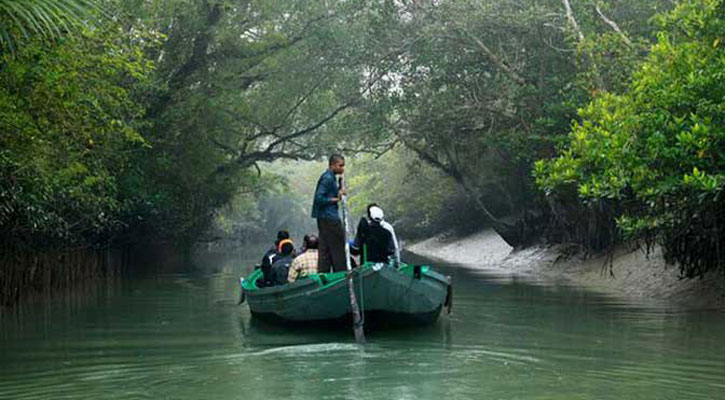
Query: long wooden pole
x=356, y=316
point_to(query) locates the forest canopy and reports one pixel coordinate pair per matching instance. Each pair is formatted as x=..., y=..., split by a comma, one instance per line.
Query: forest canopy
x=593, y=122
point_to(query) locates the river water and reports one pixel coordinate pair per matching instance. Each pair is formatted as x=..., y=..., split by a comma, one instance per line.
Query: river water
x=181, y=335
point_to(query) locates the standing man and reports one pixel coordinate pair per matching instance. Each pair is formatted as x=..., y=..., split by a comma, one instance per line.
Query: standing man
x=325, y=210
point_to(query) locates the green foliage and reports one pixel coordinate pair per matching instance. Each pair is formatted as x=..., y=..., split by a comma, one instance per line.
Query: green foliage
x=108, y=146
x=657, y=149
x=484, y=89
x=42, y=18
x=262, y=206
x=238, y=84
x=112, y=146
x=417, y=198
x=69, y=120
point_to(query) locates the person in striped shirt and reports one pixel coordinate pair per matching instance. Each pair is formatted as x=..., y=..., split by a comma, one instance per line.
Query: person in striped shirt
x=306, y=263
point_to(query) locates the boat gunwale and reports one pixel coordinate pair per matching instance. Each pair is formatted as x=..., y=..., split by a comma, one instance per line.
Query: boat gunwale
x=249, y=285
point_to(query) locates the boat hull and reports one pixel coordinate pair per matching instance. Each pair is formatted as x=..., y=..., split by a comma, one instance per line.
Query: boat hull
x=411, y=294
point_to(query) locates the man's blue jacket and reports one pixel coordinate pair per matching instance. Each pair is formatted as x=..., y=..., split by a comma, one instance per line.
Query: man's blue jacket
x=327, y=188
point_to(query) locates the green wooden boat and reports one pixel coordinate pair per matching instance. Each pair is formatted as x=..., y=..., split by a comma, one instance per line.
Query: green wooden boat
x=407, y=294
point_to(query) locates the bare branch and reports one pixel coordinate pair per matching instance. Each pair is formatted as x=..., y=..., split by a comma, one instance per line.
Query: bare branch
x=572, y=21
x=301, y=101
x=201, y=58
x=580, y=40
x=287, y=138
x=378, y=152
x=241, y=84
x=613, y=25
x=310, y=128
x=454, y=173
x=224, y=147
x=243, y=118
x=492, y=56
x=252, y=158
x=287, y=146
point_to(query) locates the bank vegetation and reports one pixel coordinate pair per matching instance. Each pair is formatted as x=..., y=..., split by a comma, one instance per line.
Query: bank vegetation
x=580, y=121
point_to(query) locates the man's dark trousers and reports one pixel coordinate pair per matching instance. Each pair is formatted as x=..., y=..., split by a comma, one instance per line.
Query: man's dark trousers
x=332, y=245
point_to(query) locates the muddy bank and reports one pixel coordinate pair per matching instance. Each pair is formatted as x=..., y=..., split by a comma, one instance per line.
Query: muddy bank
x=629, y=273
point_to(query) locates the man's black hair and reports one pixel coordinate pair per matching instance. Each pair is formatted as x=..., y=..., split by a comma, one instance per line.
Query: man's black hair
x=282, y=235
x=311, y=242
x=287, y=248
x=336, y=158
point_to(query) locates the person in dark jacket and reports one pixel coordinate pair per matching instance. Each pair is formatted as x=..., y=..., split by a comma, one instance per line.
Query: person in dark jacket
x=331, y=233
x=269, y=258
x=280, y=268
x=375, y=237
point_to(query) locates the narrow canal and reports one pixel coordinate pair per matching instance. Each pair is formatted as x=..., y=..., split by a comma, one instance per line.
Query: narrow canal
x=182, y=336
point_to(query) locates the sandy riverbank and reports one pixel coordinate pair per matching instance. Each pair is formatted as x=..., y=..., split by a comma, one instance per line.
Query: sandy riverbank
x=634, y=274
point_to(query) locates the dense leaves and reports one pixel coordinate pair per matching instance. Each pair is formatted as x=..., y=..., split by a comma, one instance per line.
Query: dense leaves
x=69, y=124
x=114, y=147
x=238, y=84
x=485, y=89
x=657, y=150
x=157, y=123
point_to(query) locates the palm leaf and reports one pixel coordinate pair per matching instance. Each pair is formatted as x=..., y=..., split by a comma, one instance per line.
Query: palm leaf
x=5, y=40
x=23, y=19
x=47, y=18
x=50, y=17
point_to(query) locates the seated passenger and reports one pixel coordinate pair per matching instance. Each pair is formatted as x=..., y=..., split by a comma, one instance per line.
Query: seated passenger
x=306, y=263
x=280, y=268
x=376, y=237
x=269, y=258
x=303, y=249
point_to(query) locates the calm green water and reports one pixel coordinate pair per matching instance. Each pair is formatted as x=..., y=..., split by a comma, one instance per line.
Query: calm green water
x=182, y=336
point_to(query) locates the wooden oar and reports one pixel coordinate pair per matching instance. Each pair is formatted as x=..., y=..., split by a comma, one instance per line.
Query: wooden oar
x=356, y=317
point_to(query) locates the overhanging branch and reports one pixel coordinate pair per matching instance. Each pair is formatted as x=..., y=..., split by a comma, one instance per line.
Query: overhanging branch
x=580, y=41
x=613, y=25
